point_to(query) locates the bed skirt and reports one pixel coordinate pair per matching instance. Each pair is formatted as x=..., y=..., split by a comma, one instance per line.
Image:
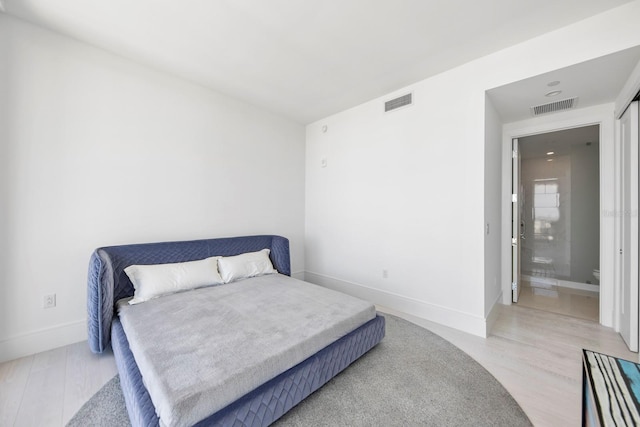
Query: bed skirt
x=267, y=403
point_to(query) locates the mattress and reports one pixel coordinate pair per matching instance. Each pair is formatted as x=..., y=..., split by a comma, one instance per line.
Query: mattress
x=200, y=350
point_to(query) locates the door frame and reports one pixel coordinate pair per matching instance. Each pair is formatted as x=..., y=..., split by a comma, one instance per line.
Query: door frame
x=516, y=217
x=626, y=221
x=602, y=115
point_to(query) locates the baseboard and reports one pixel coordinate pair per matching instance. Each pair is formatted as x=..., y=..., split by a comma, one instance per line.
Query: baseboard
x=298, y=275
x=577, y=285
x=445, y=316
x=42, y=340
x=550, y=281
x=493, y=315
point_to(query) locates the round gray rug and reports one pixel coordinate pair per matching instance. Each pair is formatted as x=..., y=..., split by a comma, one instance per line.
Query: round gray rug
x=413, y=377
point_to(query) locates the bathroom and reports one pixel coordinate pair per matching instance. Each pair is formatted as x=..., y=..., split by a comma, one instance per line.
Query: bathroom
x=560, y=221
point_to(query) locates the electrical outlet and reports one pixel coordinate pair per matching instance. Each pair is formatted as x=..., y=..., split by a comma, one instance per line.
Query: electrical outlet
x=49, y=301
x=385, y=274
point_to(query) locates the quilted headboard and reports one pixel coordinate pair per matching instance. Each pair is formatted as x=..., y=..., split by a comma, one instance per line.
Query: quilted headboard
x=107, y=281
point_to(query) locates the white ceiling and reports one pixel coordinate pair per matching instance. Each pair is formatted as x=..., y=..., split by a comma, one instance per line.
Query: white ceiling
x=594, y=82
x=561, y=143
x=304, y=59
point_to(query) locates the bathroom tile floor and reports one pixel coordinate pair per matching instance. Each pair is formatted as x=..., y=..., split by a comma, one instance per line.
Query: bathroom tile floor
x=571, y=302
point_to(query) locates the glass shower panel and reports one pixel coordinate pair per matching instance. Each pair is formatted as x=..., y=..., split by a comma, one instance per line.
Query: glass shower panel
x=559, y=176
x=546, y=248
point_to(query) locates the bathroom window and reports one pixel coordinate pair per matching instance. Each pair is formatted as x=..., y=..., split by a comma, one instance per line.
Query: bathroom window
x=546, y=206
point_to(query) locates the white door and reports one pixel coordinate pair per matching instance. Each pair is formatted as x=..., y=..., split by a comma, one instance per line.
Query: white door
x=628, y=214
x=516, y=220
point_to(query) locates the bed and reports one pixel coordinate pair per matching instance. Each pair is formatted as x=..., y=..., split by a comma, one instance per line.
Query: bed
x=273, y=386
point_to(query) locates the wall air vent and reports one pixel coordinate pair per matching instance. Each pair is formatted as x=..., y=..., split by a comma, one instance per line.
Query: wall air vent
x=552, y=107
x=399, y=102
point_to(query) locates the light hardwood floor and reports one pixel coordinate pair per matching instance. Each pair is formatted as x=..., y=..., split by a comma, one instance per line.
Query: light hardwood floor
x=574, y=302
x=536, y=355
x=48, y=388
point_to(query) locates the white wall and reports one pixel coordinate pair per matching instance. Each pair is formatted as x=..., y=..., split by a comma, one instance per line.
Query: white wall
x=97, y=150
x=407, y=191
x=492, y=207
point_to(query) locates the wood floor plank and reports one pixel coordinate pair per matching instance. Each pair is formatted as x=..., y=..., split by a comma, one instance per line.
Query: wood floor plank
x=13, y=380
x=85, y=374
x=573, y=302
x=42, y=401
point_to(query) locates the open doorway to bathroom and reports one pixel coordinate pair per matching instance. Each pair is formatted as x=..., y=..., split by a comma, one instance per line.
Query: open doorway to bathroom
x=560, y=225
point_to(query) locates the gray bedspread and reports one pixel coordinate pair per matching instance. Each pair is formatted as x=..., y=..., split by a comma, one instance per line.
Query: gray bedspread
x=200, y=350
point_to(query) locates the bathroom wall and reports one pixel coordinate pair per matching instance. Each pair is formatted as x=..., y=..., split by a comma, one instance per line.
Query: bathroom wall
x=585, y=218
x=561, y=205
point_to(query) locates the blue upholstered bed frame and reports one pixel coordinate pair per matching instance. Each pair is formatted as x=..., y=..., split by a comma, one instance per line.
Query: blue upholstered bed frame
x=107, y=283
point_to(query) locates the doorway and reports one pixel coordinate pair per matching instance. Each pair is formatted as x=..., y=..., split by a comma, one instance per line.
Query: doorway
x=559, y=222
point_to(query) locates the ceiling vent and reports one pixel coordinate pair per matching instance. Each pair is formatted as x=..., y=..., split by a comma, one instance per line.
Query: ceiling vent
x=399, y=102
x=552, y=107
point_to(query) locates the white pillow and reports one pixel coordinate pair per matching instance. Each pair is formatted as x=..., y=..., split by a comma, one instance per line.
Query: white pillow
x=154, y=280
x=245, y=265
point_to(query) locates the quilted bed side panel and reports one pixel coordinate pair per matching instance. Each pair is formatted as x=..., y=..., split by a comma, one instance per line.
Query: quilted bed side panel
x=280, y=255
x=93, y=304
x=99, y=302
x=139, y=406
